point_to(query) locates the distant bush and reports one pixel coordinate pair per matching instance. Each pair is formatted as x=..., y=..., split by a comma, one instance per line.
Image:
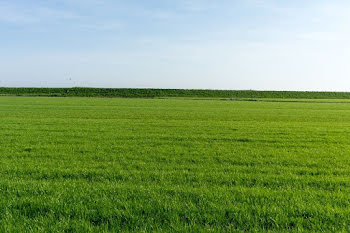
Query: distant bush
x=153, y=93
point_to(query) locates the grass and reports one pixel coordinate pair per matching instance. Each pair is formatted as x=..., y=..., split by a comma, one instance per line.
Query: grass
x=171, y=165
x=161, y=93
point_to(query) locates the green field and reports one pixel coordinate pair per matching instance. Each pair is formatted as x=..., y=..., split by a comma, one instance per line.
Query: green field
x=173, y=165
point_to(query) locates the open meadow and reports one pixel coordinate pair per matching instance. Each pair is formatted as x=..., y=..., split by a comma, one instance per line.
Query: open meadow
x=173, y=165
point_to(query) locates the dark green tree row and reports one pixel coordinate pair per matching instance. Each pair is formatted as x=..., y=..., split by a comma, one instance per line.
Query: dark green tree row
x=153, y=93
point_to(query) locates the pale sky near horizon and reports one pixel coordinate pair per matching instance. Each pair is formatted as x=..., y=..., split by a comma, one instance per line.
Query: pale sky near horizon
x=200, y=44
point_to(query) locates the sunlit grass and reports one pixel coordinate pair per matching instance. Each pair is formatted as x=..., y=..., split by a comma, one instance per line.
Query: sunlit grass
x=145, y=165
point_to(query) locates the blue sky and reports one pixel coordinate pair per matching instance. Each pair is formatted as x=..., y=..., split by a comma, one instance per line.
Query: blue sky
x=223, y=44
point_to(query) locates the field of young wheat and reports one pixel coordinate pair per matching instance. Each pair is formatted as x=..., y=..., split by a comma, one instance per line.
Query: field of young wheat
x=173, y=165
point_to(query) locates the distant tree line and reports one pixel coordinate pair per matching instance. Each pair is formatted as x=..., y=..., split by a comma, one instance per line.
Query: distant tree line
x=154, y=93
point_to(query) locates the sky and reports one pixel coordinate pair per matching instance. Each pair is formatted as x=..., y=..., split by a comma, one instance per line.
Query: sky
x=192, y=44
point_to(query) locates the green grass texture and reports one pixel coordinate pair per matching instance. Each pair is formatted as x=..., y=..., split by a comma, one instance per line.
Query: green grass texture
x=173, y=165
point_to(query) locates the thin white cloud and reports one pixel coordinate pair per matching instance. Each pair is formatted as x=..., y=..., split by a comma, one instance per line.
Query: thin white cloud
x=164, y=15
x=198, y=5
x=104, y=26
x=42, y=15
x=268, y=5
x=323, y=36
x=11, y=13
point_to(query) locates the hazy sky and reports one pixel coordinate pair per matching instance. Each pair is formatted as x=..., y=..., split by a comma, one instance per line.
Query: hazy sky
x=215, y=44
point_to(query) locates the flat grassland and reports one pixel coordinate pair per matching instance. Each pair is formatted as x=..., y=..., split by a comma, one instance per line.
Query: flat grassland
x=171, y=165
